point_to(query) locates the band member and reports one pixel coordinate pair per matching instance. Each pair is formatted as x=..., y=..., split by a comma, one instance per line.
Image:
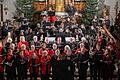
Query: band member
x=22, y=61
x=107, y=65
x=2, y=58
x=45, y=65
x=10, y=63
x=83, y=57
x=34, y=63
x=55, y=62
x=69, y=63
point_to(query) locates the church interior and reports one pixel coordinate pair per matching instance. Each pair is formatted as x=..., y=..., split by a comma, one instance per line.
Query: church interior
x=59, y=39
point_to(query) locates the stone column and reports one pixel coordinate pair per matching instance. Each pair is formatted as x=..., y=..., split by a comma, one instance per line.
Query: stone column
x=59, y=5
x=51, y=1
x=1, y=12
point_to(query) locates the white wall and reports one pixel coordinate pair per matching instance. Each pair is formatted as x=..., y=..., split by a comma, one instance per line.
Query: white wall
x=10, y=4
x=112, y=4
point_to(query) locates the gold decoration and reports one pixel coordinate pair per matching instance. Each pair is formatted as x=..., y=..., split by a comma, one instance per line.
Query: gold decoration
x=59, y=5
x=105, y=11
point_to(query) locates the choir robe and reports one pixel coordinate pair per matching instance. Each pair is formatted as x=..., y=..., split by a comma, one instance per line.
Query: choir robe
x=107, y=72
x=45, y=67
x=10, y=67
x=1, y=64
x=34, y=65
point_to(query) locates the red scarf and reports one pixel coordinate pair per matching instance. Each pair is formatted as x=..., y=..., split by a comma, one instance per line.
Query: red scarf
x=0, y=50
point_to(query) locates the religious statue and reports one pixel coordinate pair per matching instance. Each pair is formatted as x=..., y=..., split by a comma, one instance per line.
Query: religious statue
x=105, y=11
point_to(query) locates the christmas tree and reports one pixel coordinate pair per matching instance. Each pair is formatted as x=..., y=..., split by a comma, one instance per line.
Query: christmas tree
x=90, y=11
x=26, y=6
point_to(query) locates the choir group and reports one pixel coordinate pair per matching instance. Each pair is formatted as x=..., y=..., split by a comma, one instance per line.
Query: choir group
x=28, y=50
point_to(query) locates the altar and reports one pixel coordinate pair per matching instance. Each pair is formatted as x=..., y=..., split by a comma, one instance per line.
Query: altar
x=58, y=6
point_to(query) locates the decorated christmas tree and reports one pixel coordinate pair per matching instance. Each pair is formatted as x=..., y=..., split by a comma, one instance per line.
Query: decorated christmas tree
x=26, y=7
x=90, y=11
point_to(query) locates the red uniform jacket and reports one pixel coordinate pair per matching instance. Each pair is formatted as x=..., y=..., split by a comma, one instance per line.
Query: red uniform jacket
x=22, y=42
x=41, y=51
x=25, y=54
x=45, y=65
x=1, y=60
x=9, y=56
x=51, y=52
x=37, y=61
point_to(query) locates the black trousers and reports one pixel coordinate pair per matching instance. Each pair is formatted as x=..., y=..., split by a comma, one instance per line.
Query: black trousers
x=56, y=74
x=21, y=72
x=44, y=77
x=83, y=71
x=11, y=73
x=1, y=75
x=93, y=71
x=33, y=74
